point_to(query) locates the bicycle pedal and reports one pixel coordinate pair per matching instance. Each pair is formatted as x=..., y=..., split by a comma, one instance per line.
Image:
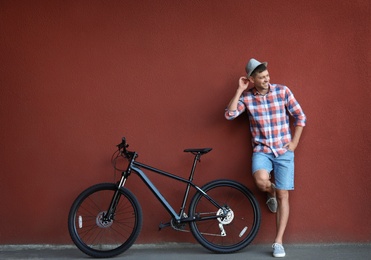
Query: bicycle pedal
x=162, y=225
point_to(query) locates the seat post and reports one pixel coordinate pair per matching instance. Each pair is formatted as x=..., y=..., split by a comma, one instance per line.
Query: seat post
x=197, y=158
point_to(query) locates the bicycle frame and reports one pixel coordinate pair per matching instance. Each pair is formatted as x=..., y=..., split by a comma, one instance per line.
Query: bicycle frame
x=179, y=218
x=106, y=219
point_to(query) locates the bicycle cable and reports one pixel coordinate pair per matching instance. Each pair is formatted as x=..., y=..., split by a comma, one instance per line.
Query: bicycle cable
x=115, y=156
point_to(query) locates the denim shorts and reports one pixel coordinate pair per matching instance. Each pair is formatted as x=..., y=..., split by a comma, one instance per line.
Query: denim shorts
x=282, y=166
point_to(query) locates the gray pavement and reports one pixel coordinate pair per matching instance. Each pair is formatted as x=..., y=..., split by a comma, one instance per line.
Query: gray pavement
x=171, y=251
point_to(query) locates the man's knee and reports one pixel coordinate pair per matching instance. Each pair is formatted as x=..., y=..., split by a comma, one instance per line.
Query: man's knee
x=282, y=195
x=261, y=178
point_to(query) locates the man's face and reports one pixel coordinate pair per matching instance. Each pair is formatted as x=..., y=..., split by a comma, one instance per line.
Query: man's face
x=261, y=80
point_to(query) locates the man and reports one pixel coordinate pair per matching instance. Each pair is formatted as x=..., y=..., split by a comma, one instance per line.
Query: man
x=268, y=107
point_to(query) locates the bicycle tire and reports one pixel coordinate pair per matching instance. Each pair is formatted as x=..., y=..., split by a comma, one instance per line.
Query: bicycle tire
x=104, y=239
x=242, y=224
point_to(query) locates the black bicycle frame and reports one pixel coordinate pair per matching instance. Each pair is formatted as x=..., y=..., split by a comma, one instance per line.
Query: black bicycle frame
x=135, y=166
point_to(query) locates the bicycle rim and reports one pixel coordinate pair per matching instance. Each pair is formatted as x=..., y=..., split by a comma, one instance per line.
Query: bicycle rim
x=233, y=232
x=96, y=237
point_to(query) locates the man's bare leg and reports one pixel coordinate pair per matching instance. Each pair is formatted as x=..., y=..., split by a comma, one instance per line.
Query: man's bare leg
x=283, y=211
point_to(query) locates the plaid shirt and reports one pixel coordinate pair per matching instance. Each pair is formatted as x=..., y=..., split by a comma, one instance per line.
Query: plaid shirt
x=269, y=120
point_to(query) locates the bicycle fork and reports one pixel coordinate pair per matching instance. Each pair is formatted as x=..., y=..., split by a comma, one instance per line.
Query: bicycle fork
x=110, y=214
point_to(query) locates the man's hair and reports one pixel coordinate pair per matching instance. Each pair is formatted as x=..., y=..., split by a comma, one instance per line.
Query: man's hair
x=259, y=69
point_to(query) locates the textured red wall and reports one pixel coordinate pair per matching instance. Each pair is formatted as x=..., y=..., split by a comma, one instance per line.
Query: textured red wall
x=75, y=77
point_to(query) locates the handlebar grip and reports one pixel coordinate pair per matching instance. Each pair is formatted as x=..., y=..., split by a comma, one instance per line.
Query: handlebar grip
x=122, y=144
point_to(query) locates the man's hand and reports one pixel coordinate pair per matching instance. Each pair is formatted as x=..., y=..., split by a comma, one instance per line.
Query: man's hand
x=243, y=83
x=290, y=146
x=295, y=140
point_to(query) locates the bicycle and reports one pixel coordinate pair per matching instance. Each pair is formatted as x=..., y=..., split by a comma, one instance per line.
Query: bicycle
x=106, y=219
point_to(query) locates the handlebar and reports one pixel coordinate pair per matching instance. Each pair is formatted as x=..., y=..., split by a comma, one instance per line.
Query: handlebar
x=123, y=144
x=122, y=147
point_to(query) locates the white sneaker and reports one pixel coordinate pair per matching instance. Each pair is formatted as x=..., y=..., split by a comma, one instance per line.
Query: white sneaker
x=278, y=250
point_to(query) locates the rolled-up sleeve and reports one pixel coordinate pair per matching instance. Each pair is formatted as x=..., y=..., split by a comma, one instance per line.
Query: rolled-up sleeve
x=300, y=119
x=295, y=109
x=232, y=114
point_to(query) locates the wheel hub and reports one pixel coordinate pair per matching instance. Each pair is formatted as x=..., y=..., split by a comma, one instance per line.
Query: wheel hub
x=101, y=222
x=227, y=219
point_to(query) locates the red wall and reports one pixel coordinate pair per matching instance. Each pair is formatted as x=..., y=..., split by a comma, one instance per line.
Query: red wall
x=76, y=76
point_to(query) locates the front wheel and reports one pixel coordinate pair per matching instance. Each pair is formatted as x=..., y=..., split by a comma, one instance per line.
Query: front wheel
x=96, y=235
x=234, y=230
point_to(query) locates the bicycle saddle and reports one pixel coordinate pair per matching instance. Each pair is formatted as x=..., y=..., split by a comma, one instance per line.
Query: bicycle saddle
x=198, y=150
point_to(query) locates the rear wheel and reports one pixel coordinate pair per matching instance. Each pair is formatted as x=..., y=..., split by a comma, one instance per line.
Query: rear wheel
x=233, y=231
x=92, y=233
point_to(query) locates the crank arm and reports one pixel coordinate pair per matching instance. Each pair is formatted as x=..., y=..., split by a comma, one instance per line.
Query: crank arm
x=162, y=225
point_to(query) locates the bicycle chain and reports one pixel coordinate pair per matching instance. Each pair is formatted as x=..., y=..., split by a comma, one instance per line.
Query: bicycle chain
x=175, y=226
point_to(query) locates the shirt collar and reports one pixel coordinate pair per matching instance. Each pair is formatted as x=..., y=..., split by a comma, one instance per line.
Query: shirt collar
x=256, y=92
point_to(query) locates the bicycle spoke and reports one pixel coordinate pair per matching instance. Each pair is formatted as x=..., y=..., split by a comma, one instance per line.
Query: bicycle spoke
x=230, y=232
x=93, y=233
